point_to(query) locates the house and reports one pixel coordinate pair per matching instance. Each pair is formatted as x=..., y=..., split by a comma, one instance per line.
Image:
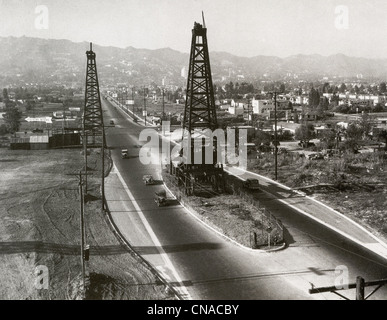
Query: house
x=239, y=103
x=235, y=110
x=262, y=106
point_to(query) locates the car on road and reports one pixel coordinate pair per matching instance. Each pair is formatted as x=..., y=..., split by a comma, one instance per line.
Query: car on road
x=161, y=198
x=124, y=154
x=148, y=179
x=111, y=122
x=37, y=130
x=252, y=184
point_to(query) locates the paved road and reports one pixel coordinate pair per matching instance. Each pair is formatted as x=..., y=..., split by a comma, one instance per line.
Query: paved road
x=210, y=267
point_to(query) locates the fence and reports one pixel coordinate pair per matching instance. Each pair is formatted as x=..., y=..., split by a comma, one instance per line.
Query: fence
x=271, y=228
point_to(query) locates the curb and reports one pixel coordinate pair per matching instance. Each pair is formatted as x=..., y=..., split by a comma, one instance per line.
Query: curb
x=220, y=233
x=134, y=253
x=322, y=204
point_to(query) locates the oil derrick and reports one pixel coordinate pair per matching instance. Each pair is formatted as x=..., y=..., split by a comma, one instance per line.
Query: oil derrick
x=199, y=109
x=93, y=129
x=199, y=116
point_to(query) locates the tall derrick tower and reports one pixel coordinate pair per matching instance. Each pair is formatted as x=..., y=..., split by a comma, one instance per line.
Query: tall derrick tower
x=93, y=128
x=199, y=115
x=199, y=109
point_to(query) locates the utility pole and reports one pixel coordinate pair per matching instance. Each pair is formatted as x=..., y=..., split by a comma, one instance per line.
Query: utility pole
x=82, y=231
x=359, y=286
x=144, y=106
x=163, y=107
x=85, y=156
x=133, y=102
x=63, y=125
x=84, y=247
x=103, y=170
x=275, y=136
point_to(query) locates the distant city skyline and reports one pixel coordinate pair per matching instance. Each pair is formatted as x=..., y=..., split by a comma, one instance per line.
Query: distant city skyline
x=241, y=27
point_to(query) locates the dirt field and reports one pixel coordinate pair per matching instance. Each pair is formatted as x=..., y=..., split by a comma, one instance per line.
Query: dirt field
x=39, y=225
x=354, y=184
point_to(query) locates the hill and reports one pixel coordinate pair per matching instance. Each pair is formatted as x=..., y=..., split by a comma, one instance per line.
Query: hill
x=48, y=61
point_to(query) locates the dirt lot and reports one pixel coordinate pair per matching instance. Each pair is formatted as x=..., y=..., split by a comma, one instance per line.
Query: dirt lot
x=39, y=225
x=353, y=184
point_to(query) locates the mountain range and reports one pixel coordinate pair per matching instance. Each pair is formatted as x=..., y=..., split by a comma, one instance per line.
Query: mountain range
x=63, y=62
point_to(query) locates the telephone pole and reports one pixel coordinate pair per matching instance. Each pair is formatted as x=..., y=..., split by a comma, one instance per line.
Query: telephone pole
x=144, y=106
x=133, y=103
x=275, y=138
x=84, y=248
x=359, y=285
x=163, y=116
x=82, y=231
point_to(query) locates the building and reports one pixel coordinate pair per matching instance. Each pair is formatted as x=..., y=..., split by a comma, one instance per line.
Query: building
x=300, y=100
x=235, y=110
x=239, y=103
x=262, y=106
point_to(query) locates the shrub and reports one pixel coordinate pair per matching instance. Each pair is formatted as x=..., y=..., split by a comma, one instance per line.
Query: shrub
x=3, y=130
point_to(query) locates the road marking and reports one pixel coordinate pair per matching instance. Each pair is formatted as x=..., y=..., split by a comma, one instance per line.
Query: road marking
x=180, y=288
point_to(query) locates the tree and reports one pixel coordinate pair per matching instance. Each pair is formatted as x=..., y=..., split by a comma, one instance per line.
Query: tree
x=383, y=136
x=262, y=138
x=314, y=98
x=343, y=88
x=304, y=133
x=3, y=130
x=378, y=108
x=382, y=87
x=328, y=139
x=5, y=94
x=325, y=87
x=366, y=124
x=354, y=132
x=12, y=118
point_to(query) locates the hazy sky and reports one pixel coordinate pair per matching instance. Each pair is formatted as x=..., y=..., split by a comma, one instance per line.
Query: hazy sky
x=242, y=27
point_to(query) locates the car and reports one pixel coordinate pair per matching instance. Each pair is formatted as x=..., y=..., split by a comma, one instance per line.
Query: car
x=252, y=184
x=111, y=122
x=161, y=198
x=148, y=179
x=37, y=130
x=124, y=154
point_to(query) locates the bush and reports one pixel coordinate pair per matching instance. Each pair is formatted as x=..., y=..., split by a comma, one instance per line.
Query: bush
x=3, y=130
x=384, y=228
